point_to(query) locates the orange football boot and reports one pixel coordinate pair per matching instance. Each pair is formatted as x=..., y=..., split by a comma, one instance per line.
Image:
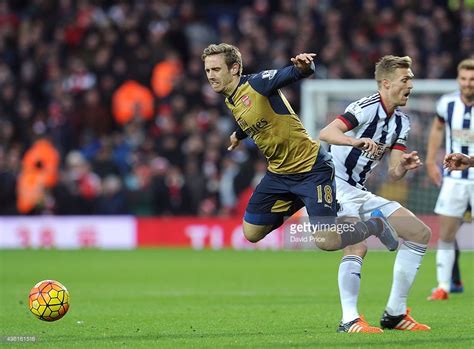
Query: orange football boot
x=402, y=322
x=358, y=325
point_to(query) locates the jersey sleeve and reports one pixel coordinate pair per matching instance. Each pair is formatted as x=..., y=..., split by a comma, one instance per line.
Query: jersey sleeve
x=268, y=81
x=441, y=109
x=354, y=116
x=239, y=133
x=349, y=119
x=401, y=140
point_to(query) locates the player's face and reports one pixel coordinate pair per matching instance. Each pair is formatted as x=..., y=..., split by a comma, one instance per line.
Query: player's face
x=400, y=86
x=466, y=83
x=218, y=74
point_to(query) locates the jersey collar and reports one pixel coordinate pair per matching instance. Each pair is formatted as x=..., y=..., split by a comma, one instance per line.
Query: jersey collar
x=385, y=108
x=242, y=80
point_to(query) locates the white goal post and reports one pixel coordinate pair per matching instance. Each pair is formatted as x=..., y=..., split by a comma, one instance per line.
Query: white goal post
x=316, y=95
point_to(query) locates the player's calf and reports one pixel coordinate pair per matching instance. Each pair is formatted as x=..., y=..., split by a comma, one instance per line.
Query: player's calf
x=331, y=240
x=374, y=226
x=327, y=240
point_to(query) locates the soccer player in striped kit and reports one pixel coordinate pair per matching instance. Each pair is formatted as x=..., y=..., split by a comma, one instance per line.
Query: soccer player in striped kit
x=455, y=119
x=359, y=138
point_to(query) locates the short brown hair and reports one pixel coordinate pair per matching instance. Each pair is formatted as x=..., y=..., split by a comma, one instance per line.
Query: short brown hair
x=387, y=65
x=467, y=64
x=231, y=54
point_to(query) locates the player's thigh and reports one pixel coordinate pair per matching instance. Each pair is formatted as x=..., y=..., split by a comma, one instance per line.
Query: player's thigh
x=409, y=227
x=449, y=226
x=374, y=202
x=317, y=190
x=261, y=221
x=268, y=206
x=318, y=195
x=350, y=199
x=454, y=197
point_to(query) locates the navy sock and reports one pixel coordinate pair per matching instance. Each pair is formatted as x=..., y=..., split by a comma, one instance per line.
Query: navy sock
x=374, y=225
x=456, y=275
x=361, y=231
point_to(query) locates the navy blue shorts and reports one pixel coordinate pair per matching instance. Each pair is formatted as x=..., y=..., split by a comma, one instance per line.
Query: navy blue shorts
x=278, y=196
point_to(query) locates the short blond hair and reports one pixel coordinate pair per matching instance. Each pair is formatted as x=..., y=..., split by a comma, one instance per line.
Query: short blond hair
x=387, y=65
x=467, y=64
x=231, y=54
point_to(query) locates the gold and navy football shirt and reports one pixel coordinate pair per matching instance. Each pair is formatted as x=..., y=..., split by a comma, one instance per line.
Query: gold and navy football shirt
x=263, y=113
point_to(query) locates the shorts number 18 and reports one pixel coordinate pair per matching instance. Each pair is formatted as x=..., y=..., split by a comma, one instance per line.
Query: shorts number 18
x=327, y=194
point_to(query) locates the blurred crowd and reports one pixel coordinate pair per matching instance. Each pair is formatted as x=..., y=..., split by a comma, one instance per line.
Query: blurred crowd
x=63, y=61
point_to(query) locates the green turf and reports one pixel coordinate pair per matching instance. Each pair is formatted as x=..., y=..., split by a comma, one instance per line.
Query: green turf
x=218, y=299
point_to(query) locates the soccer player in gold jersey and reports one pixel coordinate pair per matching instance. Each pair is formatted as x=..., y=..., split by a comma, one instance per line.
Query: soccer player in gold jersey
x=300, y=172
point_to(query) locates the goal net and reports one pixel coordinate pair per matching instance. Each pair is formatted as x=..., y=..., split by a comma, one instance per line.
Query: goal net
x=323, y=100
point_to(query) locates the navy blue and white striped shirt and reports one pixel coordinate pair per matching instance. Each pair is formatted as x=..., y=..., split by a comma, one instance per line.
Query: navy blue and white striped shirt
x=367, y=118
x=459, y=130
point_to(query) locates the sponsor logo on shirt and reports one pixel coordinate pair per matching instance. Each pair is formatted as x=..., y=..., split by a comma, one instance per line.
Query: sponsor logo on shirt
x=463, y=137
x=253, y=129
x=380, y=151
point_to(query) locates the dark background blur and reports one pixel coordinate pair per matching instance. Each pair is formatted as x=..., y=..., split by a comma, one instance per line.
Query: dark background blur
x=62, y=62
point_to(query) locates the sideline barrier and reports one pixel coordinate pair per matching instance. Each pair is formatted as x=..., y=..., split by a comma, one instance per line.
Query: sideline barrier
x=128, y=232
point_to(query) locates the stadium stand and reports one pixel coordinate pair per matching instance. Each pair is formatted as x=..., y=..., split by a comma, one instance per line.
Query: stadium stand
x=63, y=65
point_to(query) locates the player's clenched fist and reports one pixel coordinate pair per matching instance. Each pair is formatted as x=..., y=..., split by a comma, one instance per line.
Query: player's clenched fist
x=458, y=161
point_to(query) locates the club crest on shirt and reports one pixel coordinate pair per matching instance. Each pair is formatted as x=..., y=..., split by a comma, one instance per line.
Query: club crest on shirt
x=246, y=101
x=380, y=151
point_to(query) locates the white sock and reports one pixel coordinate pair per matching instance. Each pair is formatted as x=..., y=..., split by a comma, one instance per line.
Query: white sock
x=406, y=266
x=349, y=285
x=444, y=263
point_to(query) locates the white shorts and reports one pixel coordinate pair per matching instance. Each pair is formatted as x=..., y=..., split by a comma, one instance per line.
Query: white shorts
x=454, y=197
x=355, y=202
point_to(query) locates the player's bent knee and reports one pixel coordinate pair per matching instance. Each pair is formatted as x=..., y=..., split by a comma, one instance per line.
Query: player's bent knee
x=254, y=233
x=425, y=234
x=420, y=233
x=252, y=237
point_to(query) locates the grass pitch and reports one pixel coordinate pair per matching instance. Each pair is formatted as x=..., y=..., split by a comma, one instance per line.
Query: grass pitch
x=167, y=298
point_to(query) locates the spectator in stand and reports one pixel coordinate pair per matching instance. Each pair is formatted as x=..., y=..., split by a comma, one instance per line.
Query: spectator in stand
x=113, y=199
x=83, y=186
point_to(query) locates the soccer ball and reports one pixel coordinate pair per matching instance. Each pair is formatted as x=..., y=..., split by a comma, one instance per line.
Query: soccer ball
x=49, y=300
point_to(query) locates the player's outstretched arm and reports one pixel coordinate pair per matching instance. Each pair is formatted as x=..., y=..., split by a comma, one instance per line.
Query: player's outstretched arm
x=401, y=163
x=334, y=134
x=458, y=161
